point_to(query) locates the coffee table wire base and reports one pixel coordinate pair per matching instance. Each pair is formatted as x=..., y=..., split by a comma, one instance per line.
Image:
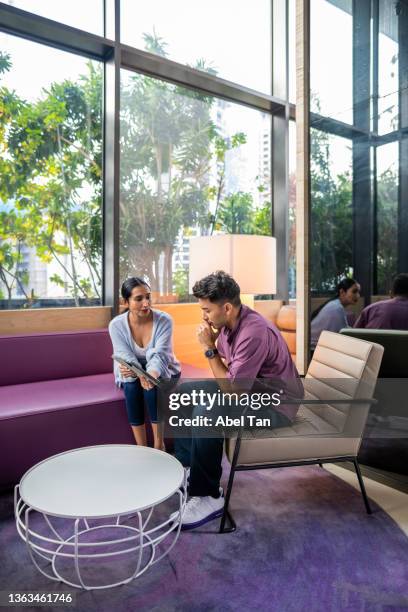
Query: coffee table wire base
x=141, y=539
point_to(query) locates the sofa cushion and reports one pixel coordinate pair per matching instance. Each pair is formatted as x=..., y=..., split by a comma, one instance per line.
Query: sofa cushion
x=305, y=438
x=38, y=431
x=55, y=355
x=48, y=396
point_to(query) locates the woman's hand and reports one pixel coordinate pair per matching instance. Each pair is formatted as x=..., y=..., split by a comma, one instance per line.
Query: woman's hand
x=125, y=372
x=146, y=384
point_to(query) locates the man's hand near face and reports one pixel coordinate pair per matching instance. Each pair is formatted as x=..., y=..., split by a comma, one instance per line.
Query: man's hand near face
x=206, y=335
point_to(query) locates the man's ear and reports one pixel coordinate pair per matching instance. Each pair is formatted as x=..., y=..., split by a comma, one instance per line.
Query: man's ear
x=228, y=307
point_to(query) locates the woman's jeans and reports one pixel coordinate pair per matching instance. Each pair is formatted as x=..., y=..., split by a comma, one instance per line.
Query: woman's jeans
x=135, y=398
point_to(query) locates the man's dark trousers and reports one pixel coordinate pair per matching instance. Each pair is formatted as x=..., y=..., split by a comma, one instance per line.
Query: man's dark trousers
x=202, y=454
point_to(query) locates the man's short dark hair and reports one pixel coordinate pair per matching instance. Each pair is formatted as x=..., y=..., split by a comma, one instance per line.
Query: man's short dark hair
x=218, y=287
x=400, y=284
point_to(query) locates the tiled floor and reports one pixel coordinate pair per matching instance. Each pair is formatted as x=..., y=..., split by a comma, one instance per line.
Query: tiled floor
x=394, y=502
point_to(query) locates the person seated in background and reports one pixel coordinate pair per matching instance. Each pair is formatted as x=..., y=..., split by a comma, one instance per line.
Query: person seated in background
x=142, y=336
x=388, y=314
x=240, y=345
x=331, y=315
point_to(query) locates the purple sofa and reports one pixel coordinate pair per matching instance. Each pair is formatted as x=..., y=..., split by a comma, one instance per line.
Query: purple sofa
x=57, y=392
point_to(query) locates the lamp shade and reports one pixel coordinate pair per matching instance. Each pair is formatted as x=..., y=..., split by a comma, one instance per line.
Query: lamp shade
x=249, y=259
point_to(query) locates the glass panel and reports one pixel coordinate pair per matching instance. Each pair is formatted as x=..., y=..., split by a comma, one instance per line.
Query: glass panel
x=86, y=16
x=50, y=176
x=292, y=210
x=292, y=51
x=387, y=67
x=279, y=34
x=190, y=165
x=331, y=217
x=231, y=38
x=387, y=215
x=331, y=66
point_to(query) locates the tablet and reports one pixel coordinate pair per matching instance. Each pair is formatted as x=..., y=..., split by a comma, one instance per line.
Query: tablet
x=137, y=370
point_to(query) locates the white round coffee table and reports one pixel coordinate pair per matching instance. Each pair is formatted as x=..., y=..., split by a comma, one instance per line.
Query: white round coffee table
x=107, y=495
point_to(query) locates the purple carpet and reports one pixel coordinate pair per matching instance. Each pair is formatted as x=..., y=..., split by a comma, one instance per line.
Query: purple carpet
x=304, y=542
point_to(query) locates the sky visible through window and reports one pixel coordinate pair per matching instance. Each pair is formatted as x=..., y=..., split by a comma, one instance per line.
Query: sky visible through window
x=331, y=73
x=232, y=36
x=70, y=265
x=83, y=14
x=35, y=67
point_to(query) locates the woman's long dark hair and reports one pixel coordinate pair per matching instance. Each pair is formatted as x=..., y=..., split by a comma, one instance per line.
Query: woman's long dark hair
x=129, y=284
x=344, y=284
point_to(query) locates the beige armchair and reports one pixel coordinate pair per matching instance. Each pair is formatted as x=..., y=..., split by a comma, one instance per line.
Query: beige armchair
x=328, y=427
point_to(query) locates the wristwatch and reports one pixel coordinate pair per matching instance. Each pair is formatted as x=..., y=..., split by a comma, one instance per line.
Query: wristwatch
x=211, y=353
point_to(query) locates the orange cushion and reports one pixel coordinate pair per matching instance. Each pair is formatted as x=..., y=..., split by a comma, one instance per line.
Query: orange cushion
x=287, y=318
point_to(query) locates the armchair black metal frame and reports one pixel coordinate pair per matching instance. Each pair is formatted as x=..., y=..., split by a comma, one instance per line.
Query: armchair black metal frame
x=228, y=524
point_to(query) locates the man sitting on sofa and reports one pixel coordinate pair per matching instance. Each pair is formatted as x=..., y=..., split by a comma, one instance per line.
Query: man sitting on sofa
x=388, y=314
x=252, y=347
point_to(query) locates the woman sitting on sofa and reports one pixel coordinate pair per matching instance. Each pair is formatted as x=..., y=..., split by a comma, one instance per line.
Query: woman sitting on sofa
x=332, y=314
x=142, y=336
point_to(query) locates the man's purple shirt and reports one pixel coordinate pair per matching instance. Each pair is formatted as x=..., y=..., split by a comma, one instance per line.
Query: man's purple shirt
x=255, y=348
x=387, y=314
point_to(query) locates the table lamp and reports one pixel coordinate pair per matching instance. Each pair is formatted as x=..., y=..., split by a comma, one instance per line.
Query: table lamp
x=248, y=258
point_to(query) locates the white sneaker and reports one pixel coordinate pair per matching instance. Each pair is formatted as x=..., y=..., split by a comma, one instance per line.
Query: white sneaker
x=200, y=510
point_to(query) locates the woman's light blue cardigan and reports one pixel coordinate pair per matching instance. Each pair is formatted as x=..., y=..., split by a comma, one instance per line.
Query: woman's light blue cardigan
x=159, y=352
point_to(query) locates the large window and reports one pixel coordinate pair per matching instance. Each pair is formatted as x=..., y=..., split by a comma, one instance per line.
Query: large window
x=359, y=155
x=50, y=177
x=122, y=139
x=190, y=165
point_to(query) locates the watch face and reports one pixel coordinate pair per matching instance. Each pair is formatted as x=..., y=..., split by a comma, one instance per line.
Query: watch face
x=210, y=353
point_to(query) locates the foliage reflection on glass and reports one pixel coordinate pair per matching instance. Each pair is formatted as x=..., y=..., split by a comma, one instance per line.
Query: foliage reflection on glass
x=50, y=190
x=176, y=178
